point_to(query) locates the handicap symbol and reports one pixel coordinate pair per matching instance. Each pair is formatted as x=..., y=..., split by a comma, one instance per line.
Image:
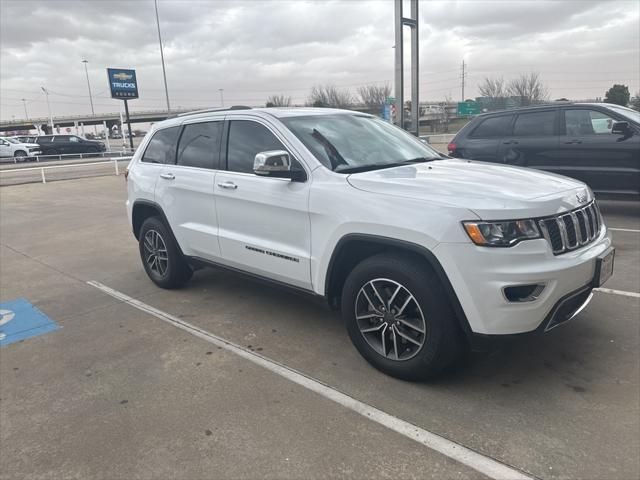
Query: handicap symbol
x=5, y=317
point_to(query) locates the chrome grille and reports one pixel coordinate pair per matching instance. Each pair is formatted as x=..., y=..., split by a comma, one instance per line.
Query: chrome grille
x=573, y=229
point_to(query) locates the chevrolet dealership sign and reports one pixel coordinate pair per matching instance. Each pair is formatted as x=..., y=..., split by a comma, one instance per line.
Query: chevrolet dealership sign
x=122, y=83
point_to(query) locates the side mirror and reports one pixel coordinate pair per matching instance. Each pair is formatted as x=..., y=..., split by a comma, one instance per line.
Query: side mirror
x=274, y=163
x=620, y=128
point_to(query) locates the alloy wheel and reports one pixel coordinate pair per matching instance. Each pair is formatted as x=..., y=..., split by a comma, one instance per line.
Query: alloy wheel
x=390, y=319
x=155, y=252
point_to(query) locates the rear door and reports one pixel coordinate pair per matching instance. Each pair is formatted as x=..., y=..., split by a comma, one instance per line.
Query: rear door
x=62, y=145
x=533, y=141
x=607, y=162
x=264, y=221
x=483, y=141
x=185, y=188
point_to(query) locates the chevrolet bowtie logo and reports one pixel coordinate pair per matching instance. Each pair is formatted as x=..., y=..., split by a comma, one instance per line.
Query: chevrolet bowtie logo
x=122, y=76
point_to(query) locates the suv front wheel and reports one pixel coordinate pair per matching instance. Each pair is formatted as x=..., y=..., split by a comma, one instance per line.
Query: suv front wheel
x=160, y=255
x=398, y=317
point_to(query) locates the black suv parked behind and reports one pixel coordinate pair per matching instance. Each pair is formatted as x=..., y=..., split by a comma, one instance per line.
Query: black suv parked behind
x=596, y=143
x=67, y=144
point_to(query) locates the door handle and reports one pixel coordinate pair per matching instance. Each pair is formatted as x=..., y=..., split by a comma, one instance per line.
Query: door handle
x=167, y=176
x=228, y=185
x=573, y=141
x=511, y=142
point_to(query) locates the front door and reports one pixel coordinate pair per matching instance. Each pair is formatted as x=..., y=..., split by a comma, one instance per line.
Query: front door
x=5, y=149
x=605, y=161
x=264, y=222
x=185, y=188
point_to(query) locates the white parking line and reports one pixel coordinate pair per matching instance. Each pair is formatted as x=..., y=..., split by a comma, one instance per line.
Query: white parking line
x=481, y=463
x=617, y=292
x=624, y=230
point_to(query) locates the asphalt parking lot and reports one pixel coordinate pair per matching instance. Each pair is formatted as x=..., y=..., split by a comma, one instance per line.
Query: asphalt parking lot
x=118, y=392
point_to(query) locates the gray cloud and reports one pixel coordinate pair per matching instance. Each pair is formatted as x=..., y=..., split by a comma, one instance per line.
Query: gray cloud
x=256, y=48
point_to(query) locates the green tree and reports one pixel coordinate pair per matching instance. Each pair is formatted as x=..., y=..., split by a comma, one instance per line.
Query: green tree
x=618, y=94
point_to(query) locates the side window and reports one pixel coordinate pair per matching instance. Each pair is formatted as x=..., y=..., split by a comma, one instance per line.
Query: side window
x=580, y=122
x=200, y=145
x=74, y=139
x=535, y=124
x=162, y=147
x=246, y=139
x=493, y=127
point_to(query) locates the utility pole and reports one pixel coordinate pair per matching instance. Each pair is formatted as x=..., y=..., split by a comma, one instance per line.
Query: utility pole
x=24, y=104
x=221, y=90
x=400, y=23
x=463, y=76
x=93, y=113
x=46, y=93
x=164, y=72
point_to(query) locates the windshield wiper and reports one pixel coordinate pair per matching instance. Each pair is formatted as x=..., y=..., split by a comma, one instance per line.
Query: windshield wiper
x=379, y=166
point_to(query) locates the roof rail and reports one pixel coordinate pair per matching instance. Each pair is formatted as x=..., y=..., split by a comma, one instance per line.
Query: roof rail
x=219, y=109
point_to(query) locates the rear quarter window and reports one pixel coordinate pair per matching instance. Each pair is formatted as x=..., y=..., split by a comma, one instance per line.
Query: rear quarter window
x=493, y=127
x=162, y=147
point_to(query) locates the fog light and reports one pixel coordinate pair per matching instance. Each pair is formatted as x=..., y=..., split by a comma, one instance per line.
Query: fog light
x=523, y=293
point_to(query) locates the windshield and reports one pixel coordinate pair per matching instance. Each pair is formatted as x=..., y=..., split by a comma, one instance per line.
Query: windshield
x=627, y=113
x=11, y=140
x=348, y=143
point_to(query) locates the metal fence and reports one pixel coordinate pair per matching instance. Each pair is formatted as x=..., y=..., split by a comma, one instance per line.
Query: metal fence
x=42, y=169
x=63, y=156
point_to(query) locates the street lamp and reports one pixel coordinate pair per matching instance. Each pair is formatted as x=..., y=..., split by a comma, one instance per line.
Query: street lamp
x=164, y=73
x=93, y=113
x=221, y=90
x=46, y=92
x=24, y=104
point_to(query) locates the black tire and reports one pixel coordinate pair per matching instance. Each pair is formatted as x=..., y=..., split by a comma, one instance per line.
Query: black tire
x=442, y=342
x=173, y=272
x=20, y=155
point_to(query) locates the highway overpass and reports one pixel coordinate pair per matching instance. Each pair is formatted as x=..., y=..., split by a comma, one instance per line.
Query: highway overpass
x=111, y=119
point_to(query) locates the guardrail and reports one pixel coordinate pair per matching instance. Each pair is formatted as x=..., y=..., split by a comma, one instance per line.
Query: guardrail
x=60, y=156
x=68, y=165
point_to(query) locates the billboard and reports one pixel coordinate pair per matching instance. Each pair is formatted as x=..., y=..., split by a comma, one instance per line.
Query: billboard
x=123, y=83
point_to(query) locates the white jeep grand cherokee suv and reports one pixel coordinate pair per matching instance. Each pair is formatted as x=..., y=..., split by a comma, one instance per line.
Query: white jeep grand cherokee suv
x=424, y=255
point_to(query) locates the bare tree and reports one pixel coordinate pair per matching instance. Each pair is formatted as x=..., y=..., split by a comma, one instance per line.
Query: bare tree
x=330, y=96
x=635, y=101
x=278, y=101
x=374, y=96
x=493, y=87
x=529, y=87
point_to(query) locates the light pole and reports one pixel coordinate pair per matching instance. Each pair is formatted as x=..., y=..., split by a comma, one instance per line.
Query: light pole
x=93, y=113
x=221, y=90
x=164, y=72
x=46, y=93
x=24, y=104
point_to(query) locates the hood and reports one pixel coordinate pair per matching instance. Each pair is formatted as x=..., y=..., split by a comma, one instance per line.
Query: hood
x=30, y=145
x=491, y=191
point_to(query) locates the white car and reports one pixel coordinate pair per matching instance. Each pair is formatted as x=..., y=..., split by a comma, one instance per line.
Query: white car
x=10, y=147
x=424, y=255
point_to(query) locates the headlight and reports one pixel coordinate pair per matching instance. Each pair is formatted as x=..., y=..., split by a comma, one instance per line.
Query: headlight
x=501, y=234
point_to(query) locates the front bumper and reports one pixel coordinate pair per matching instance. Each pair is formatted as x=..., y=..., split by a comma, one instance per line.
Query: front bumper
x=479, y=275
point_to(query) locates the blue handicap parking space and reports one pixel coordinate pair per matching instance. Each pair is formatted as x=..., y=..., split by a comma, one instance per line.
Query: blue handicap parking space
x=20, y=320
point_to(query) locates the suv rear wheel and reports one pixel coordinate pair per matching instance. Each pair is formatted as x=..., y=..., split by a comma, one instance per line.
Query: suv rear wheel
x=160, y=255
x=398, y=317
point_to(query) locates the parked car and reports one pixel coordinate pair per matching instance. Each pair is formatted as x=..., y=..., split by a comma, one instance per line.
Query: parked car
x=10, y=147
x=423, y=255
x=596, y=143
x=68, y=144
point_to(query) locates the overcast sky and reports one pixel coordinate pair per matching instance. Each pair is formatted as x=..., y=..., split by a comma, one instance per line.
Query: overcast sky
x=255, y=48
